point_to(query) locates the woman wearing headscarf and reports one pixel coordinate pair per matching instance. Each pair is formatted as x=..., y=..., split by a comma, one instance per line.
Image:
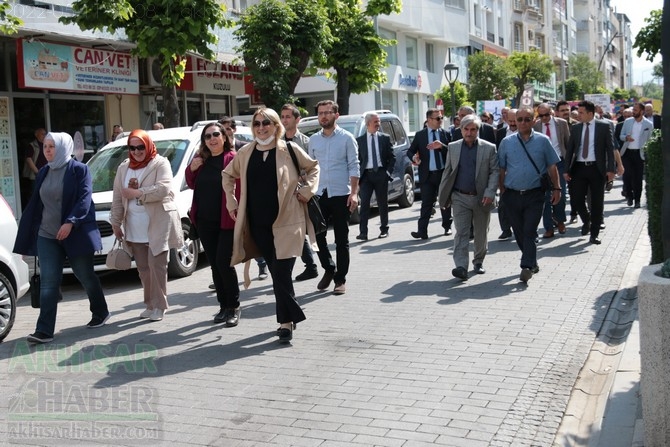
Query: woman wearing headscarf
x=59, y=223
x=211, y=218
x=145, y=217
x=271, y=216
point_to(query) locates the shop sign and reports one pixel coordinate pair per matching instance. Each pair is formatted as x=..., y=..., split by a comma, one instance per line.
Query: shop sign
x=409, y=81
x=217, y=78
x=52, y=66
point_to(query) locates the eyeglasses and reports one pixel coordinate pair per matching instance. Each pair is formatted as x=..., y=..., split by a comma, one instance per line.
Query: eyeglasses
x=325, y=113
x=437, y=118
x=139, y=148
x=213, y=134
x=228, y=128
x=543, y=115
x=524, y=120
x=263, y=123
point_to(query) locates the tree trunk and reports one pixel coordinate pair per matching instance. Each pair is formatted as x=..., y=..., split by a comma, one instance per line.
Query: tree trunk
x=170, y=107
x=665, y=127
x=343, y=91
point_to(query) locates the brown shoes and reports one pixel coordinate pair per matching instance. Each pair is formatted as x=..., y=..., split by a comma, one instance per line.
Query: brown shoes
x=326, y=279
x=548, y=234
x=561, y=227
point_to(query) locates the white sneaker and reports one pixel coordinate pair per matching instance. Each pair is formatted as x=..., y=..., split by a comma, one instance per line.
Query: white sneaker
x=146, y=313
x=157, y=315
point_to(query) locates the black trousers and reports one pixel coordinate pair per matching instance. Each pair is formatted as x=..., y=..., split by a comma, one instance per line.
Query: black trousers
x=633, y=174
x=287, y=308
x=307, y=255
x=588, y=180
x=377, y=182
x=429, y=190
x=218, y=245
x=335, y=209
x=524, y=211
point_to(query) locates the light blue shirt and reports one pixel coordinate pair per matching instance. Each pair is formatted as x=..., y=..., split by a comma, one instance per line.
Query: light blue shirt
x=519, y=171
x=337, y=155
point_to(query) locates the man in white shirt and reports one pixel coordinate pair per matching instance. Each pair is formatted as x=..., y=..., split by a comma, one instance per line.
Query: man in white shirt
x=635, y=132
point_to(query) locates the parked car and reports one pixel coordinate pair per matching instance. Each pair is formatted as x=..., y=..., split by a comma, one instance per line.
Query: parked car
x=178, y=145
x=14, y=273
x=401, y=189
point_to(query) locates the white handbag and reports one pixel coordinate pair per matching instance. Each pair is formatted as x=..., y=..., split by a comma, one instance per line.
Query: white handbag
x=118, y=258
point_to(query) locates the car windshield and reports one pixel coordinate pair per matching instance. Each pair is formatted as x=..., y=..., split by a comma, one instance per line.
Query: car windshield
x=104, y=164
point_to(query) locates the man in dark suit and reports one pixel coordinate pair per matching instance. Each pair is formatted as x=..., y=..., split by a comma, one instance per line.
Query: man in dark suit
x=429, y=151
x=589, y=165
x=558, y=132
x=486, y=132
x=375, y=153
x=651, y=116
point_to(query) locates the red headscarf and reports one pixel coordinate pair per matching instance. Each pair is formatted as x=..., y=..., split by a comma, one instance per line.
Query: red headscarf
x=151, y=151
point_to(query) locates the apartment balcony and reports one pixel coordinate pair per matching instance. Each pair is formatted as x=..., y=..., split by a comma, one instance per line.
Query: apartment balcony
x=518, y=46
x=583, y=25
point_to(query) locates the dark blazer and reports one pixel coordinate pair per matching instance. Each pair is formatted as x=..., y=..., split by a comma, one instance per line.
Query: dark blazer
x=603, y=145
x=501, y=134
x=385, y=152
x=562, y=129
x=419, y=146
x=77, y=208
x=486, y=132
x=617, y=134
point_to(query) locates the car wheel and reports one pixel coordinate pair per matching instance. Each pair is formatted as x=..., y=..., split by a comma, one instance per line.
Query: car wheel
x=407, y=198
x=7, y=306
x=184, y=260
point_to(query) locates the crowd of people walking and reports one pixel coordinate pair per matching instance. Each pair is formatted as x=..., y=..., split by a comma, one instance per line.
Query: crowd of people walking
x=249, y=200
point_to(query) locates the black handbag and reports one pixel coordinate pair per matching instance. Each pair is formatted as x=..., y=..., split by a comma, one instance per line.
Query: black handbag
x=545, y=181
x=192, y=230
x=313, y=208
x=35, y=288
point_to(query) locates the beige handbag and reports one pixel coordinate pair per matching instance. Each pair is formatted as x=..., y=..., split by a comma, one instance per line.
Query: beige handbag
x=118, y=258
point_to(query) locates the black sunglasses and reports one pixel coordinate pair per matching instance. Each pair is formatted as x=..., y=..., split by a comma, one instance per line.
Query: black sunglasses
x=438, y=118
x=526, y=119
x=140, y=147
x=542, y=115
x=213, y=134
x=264, y=123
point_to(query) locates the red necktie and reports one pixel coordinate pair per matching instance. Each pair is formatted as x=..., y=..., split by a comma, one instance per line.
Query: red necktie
x=548, y=130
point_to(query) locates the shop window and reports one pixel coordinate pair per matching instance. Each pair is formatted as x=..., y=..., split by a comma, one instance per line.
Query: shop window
x=78, y=115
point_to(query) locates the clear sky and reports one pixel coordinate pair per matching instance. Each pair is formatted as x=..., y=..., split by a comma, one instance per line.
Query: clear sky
x=637, y=11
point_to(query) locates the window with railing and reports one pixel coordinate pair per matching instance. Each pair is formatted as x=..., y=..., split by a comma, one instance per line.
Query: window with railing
x=455, y=3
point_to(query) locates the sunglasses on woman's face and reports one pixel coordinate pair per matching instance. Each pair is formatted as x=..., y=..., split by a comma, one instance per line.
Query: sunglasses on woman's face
x=139, y=148
x=263, y=123
x=208, y=136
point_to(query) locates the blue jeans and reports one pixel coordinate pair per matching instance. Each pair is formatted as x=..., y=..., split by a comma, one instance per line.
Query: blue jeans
x=52, y=257
x=555, y=212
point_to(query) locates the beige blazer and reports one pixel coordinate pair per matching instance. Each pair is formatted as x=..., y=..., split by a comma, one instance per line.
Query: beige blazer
x=158, y=199
x=292, y=221
x=486, y=171
x=562, y=132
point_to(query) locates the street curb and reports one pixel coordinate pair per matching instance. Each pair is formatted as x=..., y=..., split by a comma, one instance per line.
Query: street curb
x=589, y=417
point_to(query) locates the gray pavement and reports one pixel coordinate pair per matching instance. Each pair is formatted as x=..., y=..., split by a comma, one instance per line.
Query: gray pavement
x=409, y=357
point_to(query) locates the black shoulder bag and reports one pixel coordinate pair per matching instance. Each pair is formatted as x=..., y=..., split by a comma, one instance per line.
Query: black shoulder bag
x=313, y=207
x=545, y=181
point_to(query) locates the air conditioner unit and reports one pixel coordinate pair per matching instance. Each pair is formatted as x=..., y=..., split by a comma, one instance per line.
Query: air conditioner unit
x=154, y=72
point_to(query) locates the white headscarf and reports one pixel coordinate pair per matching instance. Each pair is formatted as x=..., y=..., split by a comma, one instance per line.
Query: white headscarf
x=64, y=149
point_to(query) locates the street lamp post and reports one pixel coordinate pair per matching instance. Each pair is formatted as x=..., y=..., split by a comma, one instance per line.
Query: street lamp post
x=451, y=75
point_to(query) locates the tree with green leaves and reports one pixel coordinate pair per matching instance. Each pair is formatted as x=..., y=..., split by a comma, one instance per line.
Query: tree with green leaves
x=9, y=24
x=573, y=89
x=621, y=93
x=278, y=40
x=586, y=71
x=489, y=77
x=356, y=52
x=460, y=93
x=648, y=39
x=166, y=29
x=529, y=67
x=654, y=38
